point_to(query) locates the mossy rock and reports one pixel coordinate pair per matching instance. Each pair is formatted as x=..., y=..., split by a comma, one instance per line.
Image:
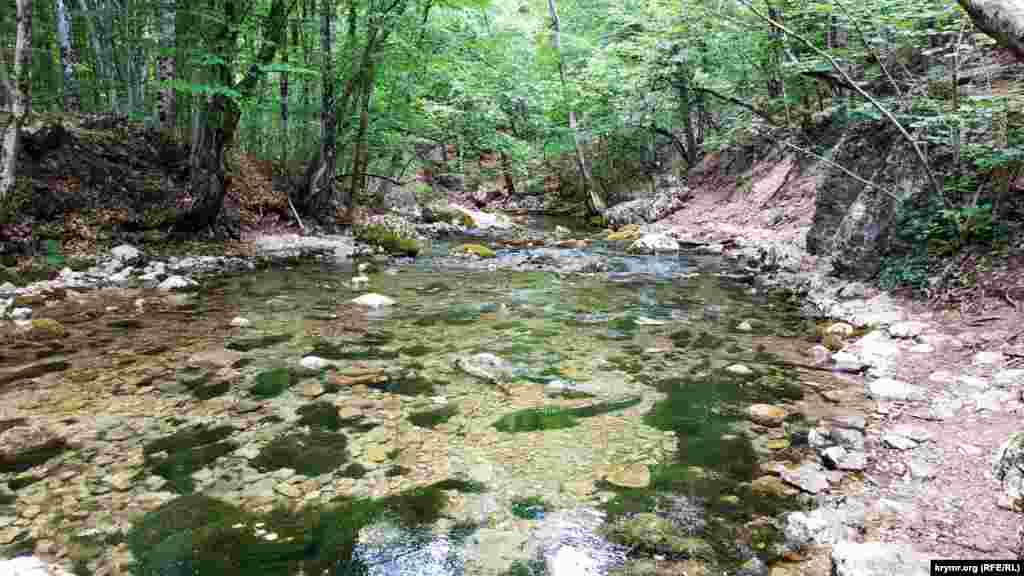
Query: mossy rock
x=477, y=250
x=320, y=415
x=533, y=419
x=394, y=241
x=433, y=418
x=273, y=382
x=653, y=534
x=187, y=451
x=46, y=329
x=310, y=454
x=253, y=343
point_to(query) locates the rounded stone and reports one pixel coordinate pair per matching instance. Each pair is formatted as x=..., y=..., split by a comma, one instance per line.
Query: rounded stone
x=767, y=415
x=630, y=476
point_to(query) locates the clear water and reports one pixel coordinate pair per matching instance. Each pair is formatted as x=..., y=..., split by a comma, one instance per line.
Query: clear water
x=653, y=335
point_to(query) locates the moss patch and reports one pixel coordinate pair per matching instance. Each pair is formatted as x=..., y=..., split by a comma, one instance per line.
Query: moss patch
x=320, y=416
x=177, y=456
x=310, y=454
x=433, y=418
x=256, y=342
x=532, y=419
x=273, y=382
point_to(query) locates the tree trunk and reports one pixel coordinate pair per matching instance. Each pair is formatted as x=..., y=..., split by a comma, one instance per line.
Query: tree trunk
x=1000, y=19
x=68, y=58
x=216, y=132
x=360, y=154
x=103, y=75
x=21, y=98
x=320, y=173
x=166, y=64
x=683, y=86
x=595, y=202
x=284, y=98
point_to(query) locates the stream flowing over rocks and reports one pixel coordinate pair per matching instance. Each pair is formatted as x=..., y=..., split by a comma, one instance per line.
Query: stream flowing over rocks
x=579, y=410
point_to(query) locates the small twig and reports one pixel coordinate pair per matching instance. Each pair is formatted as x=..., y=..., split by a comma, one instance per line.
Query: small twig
x=980, y=321
x=296, y=213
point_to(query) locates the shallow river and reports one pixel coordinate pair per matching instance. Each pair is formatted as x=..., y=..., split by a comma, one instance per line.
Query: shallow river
x=490, y=422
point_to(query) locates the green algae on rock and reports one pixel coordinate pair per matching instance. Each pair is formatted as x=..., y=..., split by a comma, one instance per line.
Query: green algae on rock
x=256, y=342
x=433, y=418
x=273, y=382
x=320, y=415
x=177, y=456
x=311, y=454
x=553, y=418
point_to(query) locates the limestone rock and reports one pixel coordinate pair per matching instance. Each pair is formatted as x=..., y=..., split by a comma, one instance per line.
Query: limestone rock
x=848, y=362
x=989, y=358
x=819, y=527
x=173, y=283
x=767, y=415
x=1009, y=379
x=892, y=389
x=852, y=421
x=373, y=300
x=485, y=366
x=654, y=244
x=809, y=477
x=899, y=442
x=26, y=445
x=905, y=330
x=1008, y=468
x=126, y=253
x=840, y=458
x=739, y=369
x=315, y=363
x=877, y=559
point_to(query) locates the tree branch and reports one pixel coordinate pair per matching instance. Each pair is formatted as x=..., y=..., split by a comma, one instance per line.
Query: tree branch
x=936, y=187
x=669, y=134
x=767, y=117
x=845, y=170
x=379, y=177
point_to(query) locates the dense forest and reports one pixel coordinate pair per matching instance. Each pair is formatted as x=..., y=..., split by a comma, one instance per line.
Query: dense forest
x=580, y=100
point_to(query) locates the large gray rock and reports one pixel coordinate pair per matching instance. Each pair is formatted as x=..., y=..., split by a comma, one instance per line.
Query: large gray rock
x=1008, y=467
x=853, y=223
x=126, y=253
x=877, y=351
x=809, y=477
x=669, y=197
x=654, y=244
x=402, y=200
x=1009, y=379
x=877, y=559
